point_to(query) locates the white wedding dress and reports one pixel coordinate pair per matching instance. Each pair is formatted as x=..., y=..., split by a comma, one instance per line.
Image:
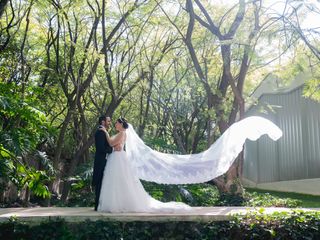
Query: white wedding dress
x=122, y=190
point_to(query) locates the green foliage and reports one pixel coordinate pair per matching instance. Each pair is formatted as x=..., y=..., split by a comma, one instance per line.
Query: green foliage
x=35, y=180
x=23, y=128
x=312, y=89
x=204, y=194
x=208, y=195
x=192, y=194
x=280, y=225
x=161, y=145
x=23, y=125
x=201, y=194
x=268, y=200
x=297, y=199
x=231, y=200
x=46, y=230
x=6, y=165
x=253, y=225
x=81, y=194
x=39, y=82
x=257, y=199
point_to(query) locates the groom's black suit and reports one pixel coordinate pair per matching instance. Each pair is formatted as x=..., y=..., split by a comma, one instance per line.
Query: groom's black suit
x=102, y=149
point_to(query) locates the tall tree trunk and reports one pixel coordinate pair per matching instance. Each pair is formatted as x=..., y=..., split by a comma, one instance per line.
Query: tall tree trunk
x=229, y=182
x=77, y=156
x=3, y=4
x=146, y=112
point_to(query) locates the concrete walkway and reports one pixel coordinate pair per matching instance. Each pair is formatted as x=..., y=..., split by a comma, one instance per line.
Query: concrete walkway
x=77, y=214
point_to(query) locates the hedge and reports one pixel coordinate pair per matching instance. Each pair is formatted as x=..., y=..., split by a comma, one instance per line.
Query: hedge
x=283, y=225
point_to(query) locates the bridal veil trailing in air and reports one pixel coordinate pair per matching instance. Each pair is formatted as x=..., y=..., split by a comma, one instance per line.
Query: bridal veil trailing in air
x=158, y=167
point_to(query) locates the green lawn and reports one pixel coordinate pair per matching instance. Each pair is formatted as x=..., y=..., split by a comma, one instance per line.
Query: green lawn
x=306, y=201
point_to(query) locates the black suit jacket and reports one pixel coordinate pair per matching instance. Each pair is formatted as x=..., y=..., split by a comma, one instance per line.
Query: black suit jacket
x=102, y=148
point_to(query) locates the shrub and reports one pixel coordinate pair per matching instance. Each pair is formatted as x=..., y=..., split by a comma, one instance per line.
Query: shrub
x=254, y=225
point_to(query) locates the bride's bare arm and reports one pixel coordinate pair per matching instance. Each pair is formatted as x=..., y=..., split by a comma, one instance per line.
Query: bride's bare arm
x=116, y=139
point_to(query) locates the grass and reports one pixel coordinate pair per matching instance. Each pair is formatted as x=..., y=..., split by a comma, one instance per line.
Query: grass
x=305, y=200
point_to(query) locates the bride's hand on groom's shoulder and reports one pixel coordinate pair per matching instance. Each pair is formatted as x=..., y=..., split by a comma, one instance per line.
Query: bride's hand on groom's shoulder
x=103, y=129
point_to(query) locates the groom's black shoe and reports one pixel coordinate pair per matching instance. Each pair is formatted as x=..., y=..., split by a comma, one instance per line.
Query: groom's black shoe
x=95, y=209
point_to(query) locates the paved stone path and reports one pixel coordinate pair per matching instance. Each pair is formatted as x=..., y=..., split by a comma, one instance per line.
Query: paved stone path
x=76, y=214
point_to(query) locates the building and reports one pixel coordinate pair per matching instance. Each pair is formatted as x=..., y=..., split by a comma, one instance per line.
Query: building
x=293, y=162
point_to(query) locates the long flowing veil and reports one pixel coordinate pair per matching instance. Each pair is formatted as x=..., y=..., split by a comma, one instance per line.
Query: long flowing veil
x=154, y=166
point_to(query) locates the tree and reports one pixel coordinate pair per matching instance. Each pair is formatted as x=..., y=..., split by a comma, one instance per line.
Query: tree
x=3, y=4
x=224, y=34
x=294, y=27
x=181, y=84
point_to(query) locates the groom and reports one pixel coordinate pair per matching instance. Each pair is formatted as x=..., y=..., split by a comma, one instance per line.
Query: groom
x=102, y=149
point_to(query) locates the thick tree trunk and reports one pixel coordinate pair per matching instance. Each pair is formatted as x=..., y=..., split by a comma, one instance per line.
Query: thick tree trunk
x=74, y=162
x=231, y=181
x=3, y=4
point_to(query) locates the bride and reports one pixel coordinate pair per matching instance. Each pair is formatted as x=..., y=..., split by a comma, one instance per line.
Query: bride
x=122, y=190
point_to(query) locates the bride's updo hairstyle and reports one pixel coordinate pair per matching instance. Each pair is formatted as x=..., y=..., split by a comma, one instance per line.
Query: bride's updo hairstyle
x=123, y=122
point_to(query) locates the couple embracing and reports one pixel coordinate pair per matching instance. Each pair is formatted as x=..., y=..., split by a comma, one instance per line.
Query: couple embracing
x=117, y=187
x=117, y=173
x=104, y=147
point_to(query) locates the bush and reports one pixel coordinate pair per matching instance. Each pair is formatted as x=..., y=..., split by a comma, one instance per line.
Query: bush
x=203, y=194
x=279, y=225
x=255, y=199
x=254, y=225
x=193, y=194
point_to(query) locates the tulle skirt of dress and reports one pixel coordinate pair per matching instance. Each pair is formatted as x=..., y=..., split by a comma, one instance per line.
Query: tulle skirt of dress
x=122, y=191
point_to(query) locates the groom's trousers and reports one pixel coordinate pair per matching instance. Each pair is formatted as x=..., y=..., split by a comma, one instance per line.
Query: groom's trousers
x=100, y=163
x=97, y=193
